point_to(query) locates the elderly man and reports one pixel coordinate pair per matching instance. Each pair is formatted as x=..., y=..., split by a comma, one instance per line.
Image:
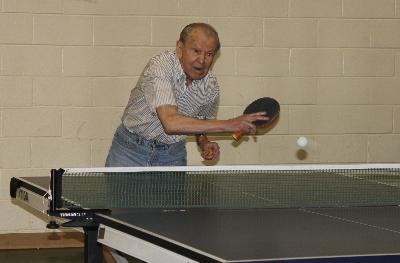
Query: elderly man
x=175, y=96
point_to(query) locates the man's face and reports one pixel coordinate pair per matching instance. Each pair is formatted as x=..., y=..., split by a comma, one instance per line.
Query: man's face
x=196, y=54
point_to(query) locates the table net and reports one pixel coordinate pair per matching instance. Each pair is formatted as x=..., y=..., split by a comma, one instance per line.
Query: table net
x=233, y=188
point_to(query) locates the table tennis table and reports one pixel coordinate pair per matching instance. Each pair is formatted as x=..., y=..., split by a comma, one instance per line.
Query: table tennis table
x=298, y=213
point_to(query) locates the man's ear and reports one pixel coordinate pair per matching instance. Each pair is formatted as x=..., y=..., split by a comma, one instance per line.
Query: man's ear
x=179, y=49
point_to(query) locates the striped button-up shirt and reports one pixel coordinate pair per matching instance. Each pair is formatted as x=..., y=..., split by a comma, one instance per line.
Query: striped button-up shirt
x=163, y=83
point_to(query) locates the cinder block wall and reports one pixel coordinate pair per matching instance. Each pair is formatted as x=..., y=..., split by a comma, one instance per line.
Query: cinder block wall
x=67, y=67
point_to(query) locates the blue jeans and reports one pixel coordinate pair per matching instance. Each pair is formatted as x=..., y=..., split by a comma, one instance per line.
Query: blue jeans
x=129, y=149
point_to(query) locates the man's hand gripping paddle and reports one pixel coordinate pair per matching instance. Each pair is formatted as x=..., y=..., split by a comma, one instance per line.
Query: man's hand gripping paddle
x=268, y=105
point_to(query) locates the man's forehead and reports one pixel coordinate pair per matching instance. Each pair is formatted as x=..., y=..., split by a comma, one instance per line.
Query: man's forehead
x=202, y=30
x=199, y=34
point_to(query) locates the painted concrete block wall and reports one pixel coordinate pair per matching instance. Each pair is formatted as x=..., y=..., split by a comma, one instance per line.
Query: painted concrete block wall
x=67, y=68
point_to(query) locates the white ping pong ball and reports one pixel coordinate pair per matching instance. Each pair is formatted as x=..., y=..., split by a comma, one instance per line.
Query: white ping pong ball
x=302, y=142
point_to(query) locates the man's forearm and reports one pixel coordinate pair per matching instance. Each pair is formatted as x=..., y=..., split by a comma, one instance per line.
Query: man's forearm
x=175, y=123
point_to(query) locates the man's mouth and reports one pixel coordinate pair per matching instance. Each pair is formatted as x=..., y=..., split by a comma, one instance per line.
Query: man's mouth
x=200, y=69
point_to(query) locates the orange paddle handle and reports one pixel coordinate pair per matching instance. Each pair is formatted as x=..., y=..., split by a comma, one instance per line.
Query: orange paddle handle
x=237, y=135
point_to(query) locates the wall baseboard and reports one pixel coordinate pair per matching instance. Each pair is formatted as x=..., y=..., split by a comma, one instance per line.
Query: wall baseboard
x=41, y=240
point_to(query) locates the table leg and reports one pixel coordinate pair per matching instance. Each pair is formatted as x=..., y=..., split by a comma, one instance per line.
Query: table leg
x=93, y=249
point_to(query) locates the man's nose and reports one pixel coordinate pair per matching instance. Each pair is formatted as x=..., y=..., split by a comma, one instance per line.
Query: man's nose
x=201, y=58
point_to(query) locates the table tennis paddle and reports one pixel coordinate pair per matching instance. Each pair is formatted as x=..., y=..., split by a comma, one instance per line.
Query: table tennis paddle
x=269, y=105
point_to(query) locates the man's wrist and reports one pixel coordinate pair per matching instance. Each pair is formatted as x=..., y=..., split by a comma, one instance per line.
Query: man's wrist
x=201, y=139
